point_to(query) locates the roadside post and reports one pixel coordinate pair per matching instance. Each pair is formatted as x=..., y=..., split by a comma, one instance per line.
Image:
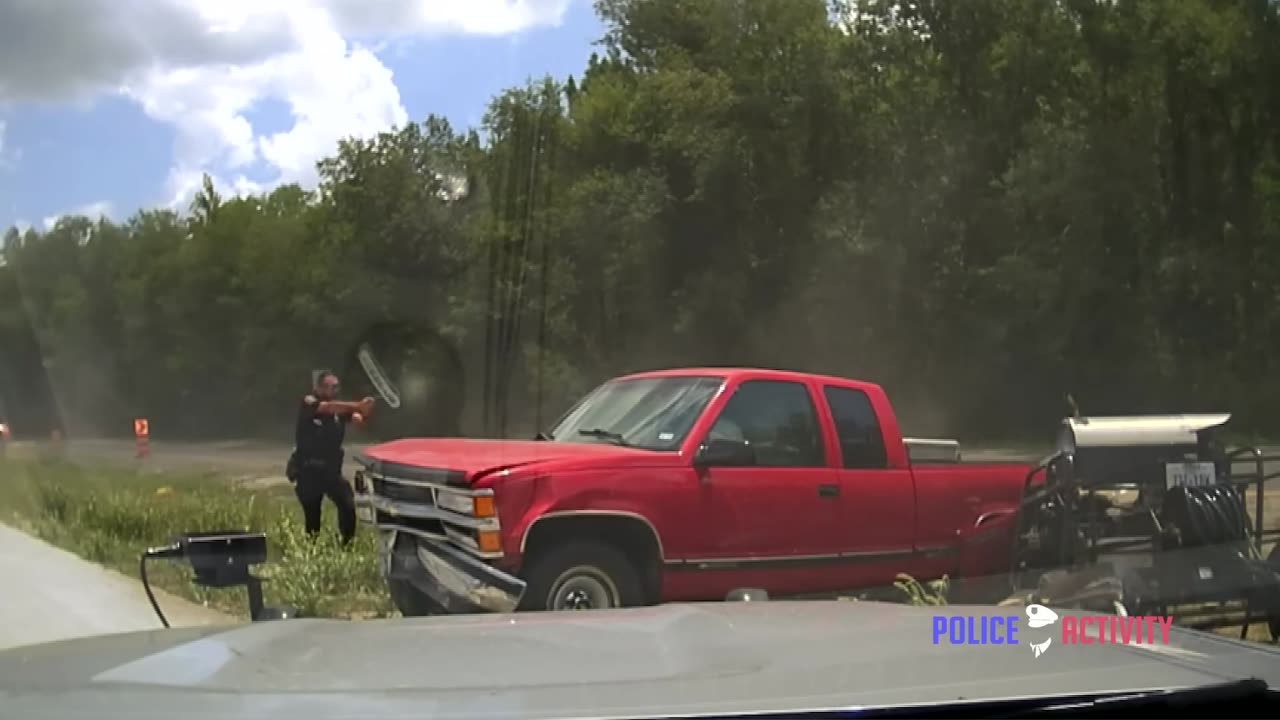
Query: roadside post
x=142, y=438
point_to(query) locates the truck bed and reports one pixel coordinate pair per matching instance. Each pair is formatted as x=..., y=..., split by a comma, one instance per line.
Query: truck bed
x=940, y=451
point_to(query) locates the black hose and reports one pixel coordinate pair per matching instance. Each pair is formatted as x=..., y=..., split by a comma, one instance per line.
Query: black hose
x=146, y=586
x=1209, y=516
x=167, y=552
x=1203, y=528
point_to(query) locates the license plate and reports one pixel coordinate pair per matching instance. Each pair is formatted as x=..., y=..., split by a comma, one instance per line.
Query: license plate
x=1190, y=474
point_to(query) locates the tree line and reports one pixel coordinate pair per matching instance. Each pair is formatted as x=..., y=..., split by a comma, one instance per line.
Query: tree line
x=982, y=205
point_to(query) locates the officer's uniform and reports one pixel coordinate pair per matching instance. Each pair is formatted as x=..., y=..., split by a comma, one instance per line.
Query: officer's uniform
x=318, y=468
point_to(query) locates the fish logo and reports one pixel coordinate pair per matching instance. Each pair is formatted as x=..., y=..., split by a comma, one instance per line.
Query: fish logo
x=1039, y=616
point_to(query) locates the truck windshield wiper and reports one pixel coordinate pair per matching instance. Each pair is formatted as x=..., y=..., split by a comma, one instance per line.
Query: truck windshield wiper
x=613, y=437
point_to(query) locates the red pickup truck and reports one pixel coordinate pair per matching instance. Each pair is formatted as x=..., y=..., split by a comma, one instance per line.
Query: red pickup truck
x=682, y=485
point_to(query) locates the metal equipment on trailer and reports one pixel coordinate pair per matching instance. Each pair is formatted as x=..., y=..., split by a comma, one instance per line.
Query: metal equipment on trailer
x=1148, y=515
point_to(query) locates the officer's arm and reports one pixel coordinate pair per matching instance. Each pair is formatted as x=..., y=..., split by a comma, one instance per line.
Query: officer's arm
x=331, y=407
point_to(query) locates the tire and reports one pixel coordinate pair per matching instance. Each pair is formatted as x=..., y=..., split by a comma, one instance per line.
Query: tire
x=412, y=602
x=579, y=575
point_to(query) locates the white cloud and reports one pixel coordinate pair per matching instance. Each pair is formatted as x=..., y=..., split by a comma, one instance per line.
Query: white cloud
x=93, y=211
x=472, y=17
x=202, y=66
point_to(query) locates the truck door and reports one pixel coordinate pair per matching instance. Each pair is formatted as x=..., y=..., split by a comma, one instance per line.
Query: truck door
x=773, y=521
x=877, y=523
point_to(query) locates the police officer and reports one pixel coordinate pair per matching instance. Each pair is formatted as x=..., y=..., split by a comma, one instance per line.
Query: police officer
x=316, y=465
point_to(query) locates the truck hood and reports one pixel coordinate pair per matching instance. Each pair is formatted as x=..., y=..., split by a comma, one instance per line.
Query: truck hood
x=476, y=457
x=714, y=659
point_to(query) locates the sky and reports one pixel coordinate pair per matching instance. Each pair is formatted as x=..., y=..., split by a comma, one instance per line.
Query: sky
x=107, y=106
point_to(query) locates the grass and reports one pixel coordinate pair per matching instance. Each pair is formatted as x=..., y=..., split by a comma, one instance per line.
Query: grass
x=109, y=515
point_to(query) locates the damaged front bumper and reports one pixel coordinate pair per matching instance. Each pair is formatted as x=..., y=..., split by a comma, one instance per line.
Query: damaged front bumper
x=427, y=541
x=453, y=579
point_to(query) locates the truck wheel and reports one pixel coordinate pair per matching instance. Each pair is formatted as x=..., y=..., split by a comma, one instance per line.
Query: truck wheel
x=581, y=576
x=412, y=602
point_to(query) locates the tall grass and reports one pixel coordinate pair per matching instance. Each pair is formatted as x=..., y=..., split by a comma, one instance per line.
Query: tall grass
x=110, y=515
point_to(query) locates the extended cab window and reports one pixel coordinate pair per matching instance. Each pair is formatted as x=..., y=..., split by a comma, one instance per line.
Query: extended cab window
x=861, y=441
x=778, y=419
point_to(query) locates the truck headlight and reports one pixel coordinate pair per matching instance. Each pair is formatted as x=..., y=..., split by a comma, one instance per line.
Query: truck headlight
x=480, y=506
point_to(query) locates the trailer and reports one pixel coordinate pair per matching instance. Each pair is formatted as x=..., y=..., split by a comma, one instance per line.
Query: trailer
x=1149, y=515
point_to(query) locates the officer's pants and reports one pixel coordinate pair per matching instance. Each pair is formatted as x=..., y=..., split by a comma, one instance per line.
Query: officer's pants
x=317, y=483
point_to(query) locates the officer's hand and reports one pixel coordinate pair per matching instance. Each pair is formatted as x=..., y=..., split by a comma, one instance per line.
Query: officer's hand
x=366, y=405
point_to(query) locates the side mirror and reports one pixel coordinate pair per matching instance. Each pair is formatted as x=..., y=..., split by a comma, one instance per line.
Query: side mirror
x=725, y=453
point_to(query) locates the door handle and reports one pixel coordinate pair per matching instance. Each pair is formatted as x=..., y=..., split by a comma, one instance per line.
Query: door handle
x=828, y=491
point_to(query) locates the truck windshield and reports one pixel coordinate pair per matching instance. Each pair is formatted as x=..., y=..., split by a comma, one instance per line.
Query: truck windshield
x=647, y=413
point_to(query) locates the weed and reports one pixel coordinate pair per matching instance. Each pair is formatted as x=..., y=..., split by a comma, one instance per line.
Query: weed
x=934, y=592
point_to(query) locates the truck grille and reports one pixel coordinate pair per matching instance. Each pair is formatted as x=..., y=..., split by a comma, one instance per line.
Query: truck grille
x=427, y=502
x=403, y=493
x=425, y=526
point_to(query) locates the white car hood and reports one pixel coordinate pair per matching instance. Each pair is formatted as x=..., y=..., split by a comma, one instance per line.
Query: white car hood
x=684, y=659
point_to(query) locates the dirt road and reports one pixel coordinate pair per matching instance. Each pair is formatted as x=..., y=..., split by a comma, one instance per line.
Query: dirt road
x=249, y=460
x=249, y=457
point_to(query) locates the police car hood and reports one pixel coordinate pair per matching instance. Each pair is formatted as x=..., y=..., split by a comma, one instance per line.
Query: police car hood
x=704, y=659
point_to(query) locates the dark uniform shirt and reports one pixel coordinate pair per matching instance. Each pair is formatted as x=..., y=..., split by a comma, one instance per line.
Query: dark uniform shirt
x=318, y=437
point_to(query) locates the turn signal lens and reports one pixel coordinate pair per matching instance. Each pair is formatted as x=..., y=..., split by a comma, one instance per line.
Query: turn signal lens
x=484, y=507
x=489, y=541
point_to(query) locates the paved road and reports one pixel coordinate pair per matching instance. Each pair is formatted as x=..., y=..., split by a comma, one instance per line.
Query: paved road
x=50, y=594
